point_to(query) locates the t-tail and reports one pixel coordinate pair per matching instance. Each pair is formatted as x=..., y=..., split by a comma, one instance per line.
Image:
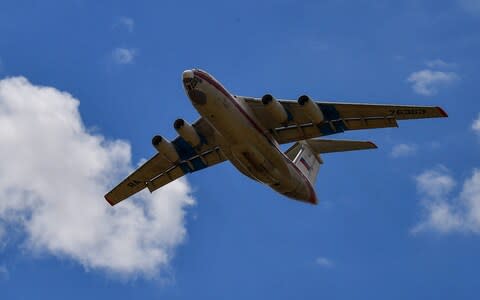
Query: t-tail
x=306, y=154
x=307, y=160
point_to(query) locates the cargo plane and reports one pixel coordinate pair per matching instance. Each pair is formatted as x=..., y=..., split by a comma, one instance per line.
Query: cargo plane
x=248, y=132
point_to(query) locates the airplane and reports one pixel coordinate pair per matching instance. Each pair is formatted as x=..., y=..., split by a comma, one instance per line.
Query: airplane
x=248, y=132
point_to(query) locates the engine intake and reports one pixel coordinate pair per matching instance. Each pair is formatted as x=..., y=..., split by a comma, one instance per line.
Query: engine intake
x=187, y=132
x=275, y=108
x=166, y=148
x=311, y=109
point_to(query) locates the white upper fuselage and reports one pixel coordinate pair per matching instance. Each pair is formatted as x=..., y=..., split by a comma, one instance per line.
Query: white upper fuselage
x=250, y=147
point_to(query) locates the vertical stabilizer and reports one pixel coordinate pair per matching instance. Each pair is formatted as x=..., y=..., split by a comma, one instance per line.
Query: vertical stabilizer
x=306, y=159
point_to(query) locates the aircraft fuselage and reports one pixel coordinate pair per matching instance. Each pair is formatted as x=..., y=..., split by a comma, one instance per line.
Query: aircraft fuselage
x=249, y=147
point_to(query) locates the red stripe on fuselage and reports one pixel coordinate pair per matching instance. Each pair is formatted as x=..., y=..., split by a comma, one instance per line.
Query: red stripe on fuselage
x=220, y=88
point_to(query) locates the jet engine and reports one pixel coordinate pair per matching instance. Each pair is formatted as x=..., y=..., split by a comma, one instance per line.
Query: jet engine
x=166, y=148
x=187, y=132
x=275, y=108
x=311, y=109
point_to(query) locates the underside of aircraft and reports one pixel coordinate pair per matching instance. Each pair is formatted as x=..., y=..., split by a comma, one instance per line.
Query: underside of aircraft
x=248, y=132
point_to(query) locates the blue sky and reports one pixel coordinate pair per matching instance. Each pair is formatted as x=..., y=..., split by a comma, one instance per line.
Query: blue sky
x=401, y=221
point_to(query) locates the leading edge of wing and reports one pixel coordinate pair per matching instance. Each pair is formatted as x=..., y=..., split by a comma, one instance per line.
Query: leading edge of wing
x=341, y=110
x=346, y=110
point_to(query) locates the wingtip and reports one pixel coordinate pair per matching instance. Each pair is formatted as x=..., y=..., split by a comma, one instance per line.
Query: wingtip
x=442, y=112
x=109, y=200
x=373, y=145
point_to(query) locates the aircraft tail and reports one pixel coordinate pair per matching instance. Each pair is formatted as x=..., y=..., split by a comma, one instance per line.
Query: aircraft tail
x=306, y=154
x=306, y=159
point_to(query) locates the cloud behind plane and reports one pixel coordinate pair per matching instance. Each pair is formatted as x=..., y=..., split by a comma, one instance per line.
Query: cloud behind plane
x=324, y=262
x=476, y=125
x=52, y=187
x=127, y=23
x=444, y=212
x=471, y=6
x=403, y=150
x=124, y=56
x=438, y=63
x=427, y=82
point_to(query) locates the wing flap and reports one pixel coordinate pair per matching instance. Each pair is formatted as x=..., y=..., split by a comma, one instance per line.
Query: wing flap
x=167, y=177
x=308, y=131
x=209, y=159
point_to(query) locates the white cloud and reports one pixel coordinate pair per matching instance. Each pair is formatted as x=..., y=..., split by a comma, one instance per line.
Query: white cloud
x=4, y=274
x=53, y=177
x=2, y=236
x=472, y=6
x=324, y=262
x=124, y=55
x=444, y=212
x=476, y=125
x=403, y=150
x=436, y=183
x=438, y=63
x=427, y=82
x=125, y=22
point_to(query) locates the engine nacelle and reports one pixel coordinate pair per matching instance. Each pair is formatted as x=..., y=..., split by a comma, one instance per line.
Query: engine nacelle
x=311, y=109
x=166, y=148
x=275, y=108
x=187, y=132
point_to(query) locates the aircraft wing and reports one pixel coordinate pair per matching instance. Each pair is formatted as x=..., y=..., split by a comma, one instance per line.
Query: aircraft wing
x=158, y=171
x=338, y=117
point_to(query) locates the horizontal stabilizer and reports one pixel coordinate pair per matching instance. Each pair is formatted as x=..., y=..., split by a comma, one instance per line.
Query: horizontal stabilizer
x=329, y=146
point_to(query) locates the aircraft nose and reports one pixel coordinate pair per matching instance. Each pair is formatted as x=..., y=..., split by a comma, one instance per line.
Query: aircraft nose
x=187, y=74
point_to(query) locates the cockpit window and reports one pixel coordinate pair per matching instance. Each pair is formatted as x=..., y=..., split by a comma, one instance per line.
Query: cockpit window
x=191, y=83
